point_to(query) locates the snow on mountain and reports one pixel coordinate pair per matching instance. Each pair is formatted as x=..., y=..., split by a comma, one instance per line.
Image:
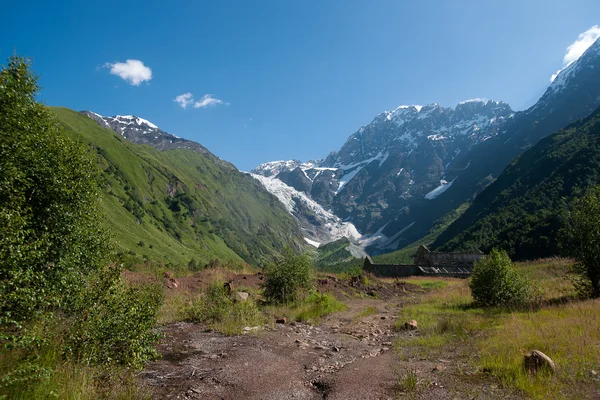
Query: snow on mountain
x=141, y=131
x=273, y=168
x=323, y=226
x=583, y=71
x=439, y=190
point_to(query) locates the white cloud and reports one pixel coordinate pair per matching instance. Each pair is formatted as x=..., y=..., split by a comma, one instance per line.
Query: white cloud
x=132, y=71
x=207, y=100
x=578, y=47
x=184, y=99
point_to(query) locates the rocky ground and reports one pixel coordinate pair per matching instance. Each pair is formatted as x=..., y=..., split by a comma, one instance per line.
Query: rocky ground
x=348, y=355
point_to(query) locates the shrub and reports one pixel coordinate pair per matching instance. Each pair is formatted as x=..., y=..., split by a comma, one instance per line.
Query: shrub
x=113, y=325
x=51, y=235
x=287, y=278
x=223, y=314
x=496, y=282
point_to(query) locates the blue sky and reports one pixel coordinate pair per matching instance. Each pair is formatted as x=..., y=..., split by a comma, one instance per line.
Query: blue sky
x=295, y=78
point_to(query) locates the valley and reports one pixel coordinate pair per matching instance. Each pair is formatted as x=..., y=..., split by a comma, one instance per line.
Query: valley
x=439, y=252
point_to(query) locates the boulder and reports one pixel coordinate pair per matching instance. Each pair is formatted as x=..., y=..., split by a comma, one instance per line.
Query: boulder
x=241, y=296
x=536, y=361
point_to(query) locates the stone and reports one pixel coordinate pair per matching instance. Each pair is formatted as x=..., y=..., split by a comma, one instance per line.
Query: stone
x=241, y=296
x=281, y=320
x=411, y=325
x=172, y=283
x=536, y=361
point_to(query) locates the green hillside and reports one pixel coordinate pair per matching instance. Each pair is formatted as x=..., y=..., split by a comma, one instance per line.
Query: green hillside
x=523, y=210
x=176, y=205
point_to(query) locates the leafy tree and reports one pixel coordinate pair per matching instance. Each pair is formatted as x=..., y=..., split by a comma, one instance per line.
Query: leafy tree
x=581, y=239
x=288, y=277
x=496, y=282
x=50, y=235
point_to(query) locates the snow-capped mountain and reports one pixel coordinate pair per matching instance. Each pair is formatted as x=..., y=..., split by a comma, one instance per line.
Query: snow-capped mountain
x=141, y=131
x=401, y=154
x=394, y=177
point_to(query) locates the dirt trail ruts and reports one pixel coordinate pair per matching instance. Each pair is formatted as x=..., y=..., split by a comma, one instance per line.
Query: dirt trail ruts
x=348, y=355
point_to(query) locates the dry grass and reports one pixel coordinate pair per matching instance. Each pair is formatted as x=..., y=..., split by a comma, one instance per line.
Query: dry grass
x=565, y=329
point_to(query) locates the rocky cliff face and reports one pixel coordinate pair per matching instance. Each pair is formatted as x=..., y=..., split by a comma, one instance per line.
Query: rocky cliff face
x=400, y=155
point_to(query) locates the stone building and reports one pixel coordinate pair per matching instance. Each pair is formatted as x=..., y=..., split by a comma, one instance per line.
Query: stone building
x=427, y=263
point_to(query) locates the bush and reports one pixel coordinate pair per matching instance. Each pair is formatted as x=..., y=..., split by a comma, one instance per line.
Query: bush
x=223, y=314
x=289, y=277
x=113, y=325
x=51, y=235
x=496, y=282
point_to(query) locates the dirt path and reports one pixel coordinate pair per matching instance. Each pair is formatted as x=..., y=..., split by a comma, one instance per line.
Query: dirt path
x=348, y=355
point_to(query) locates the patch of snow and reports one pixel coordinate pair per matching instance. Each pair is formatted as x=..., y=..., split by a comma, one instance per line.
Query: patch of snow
x=475, y=100
x=312, y=243
x=347, y=178
x=392, y=242
x=436, y=137
x=439, y=190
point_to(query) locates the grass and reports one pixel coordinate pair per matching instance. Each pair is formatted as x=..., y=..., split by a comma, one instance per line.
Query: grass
x=408, y=381
x=45, y=374
x=569, y=334
x=310, y=309
x=565, y=329
x=443, y=316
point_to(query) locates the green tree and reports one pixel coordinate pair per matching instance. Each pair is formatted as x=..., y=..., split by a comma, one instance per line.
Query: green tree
x=288, y=277
x=581, y=239
x=496, y=282
x=50, y=235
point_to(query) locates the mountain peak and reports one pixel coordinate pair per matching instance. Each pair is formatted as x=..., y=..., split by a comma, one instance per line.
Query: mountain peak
x=132, y=119
x=141, y=131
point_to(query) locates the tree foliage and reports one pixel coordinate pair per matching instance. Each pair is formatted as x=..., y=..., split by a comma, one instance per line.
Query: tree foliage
x=581, y=239
x=496, y=282
x=287, y=278
x=50, y=236
x=54, y=251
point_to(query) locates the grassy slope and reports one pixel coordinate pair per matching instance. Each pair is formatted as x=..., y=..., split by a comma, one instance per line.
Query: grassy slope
x=176, y=205
x=523, y=210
